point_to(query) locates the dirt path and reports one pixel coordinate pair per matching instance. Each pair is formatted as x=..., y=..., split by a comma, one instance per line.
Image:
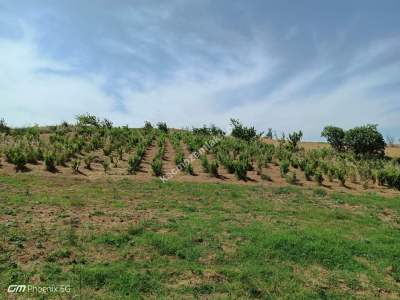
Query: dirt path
x=169, y=157
x=145, y=166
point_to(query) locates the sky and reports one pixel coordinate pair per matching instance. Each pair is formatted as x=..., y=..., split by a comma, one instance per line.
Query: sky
x=286, y=65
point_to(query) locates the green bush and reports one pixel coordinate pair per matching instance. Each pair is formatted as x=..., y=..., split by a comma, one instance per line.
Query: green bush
x=134, y=164
x=341, y=174
x=156, y=166
x=50, y=162
x=106, y=164
x=213, y=168
x=189, y=169
x=318, y=178
x=365, y=140
x=284, y=168
x=205, y=163
x=294, y=140
x=61, y=158
x=240, y=170
x=335, y=137
x=241, y=132
x=308, y=171
x=179, y=158
x=17, y=157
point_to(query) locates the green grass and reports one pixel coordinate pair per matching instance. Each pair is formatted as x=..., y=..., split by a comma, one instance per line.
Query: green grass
x=130, y=240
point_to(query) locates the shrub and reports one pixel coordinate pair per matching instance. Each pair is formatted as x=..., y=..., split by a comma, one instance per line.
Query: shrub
x=365, y=140
x=318, y=177
x=16, y=156
x=334, y=136
x=133, y=164
x=308, y=171
x=341, y=174
x=106, y=164
x=75, y=166
x=381, y=176
x=291, y=178
x=205, y=163
x=241, y=132
x=189, y=169
x=294, y=140
x=227, y=162
x=120, y=152
x=156, y=166
x=213, y=168
x=179, y=158
x=107, y=150
x=3, y=127
x=284, y=167
x=88, y=161
x=240, y=170
x=61, y=158
x=147, y=127
x=50, y=162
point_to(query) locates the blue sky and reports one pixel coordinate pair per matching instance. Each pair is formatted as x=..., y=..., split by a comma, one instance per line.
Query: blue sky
x=288, y=65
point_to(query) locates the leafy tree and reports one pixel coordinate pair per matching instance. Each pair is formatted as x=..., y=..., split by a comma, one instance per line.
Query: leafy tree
x=88, y=120
x=147, y=127
x=294, y=139
x=365, y=140
x=241, y=132
x=107, y=124
x=163, y=127
x=212, y=130
x=335, y=137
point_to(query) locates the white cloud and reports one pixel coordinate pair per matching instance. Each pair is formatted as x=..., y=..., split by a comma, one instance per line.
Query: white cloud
x=28, y=95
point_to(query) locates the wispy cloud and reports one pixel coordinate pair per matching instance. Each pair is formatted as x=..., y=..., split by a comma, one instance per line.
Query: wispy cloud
x=193, y=63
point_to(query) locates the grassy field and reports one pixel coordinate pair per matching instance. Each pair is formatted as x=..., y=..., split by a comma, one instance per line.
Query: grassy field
x=132, y=239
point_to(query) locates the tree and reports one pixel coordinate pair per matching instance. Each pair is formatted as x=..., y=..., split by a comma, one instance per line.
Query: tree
x=3, y=127
x=147, y=127
x=365, y=140
x=162, y=126
x=241, y=132
x=88, y=120
x=269, y=134
x=294, y=139
x=335, y=137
